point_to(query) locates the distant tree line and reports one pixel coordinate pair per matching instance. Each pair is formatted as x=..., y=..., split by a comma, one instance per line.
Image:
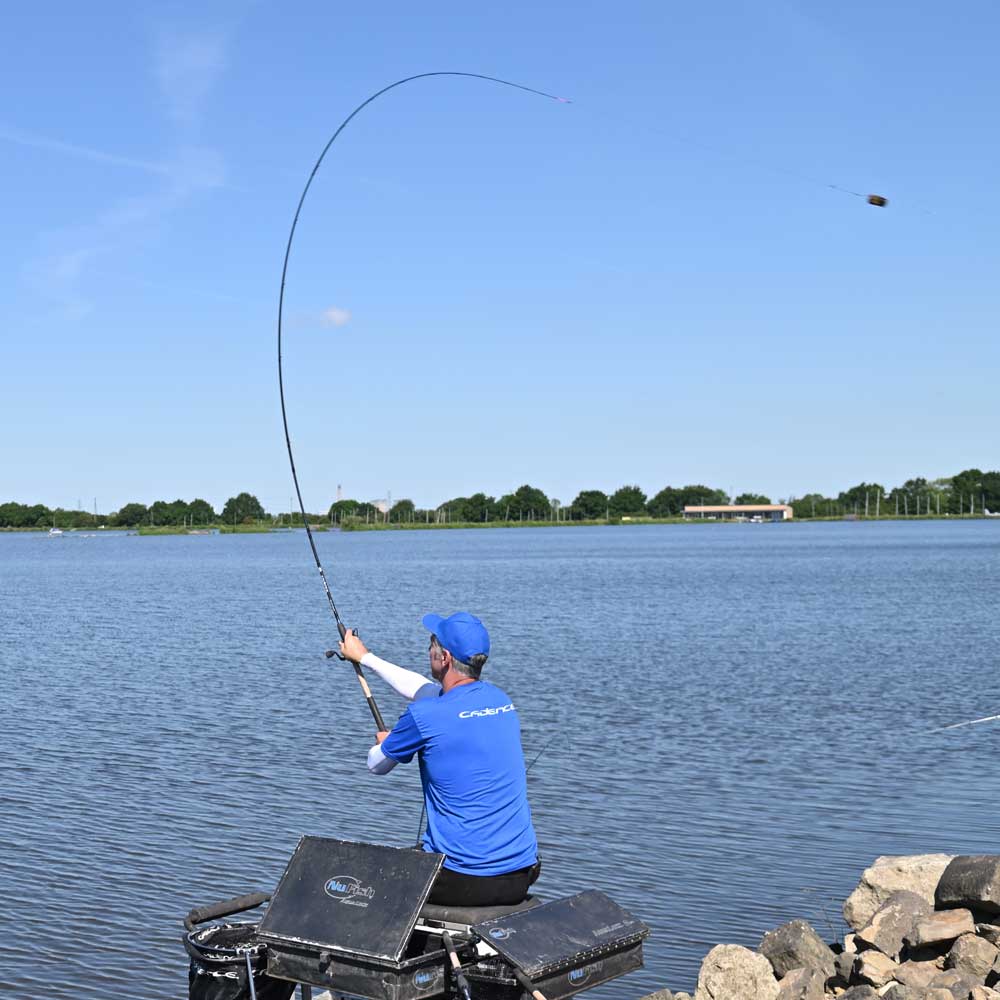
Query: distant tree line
x=243, y=508
x=968, y=493
x=529, y=503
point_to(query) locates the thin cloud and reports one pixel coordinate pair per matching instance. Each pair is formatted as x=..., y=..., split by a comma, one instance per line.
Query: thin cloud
x=187, y=67
x=335, y=316
x=32, y=141
x=68, y=255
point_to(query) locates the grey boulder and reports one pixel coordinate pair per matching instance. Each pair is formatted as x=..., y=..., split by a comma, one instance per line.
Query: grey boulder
x=857, y=993
x=873, y=968
x=972, y=955
x=916, y=974
x=957, y=983
x=802, y=984
x=796, y=945
x=730, y=972
x=973, y=881
x=941, y=927
x=843, y=966
x=897, y=991
x=918, y=873
x=893, y=922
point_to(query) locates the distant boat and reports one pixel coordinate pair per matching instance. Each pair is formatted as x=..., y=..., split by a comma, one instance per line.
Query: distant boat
x=989, y=513
x=54, y=531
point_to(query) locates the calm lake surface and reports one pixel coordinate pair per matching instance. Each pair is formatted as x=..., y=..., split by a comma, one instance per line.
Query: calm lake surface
x=742, y=718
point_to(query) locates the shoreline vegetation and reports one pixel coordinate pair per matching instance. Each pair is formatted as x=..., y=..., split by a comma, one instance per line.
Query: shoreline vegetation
x=968, y=494
x=355, y=524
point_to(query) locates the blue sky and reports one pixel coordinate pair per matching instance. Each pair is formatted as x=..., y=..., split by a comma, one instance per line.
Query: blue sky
x=651, y=285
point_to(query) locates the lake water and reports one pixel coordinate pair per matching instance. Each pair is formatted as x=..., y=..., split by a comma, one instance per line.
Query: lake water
x=741, y=719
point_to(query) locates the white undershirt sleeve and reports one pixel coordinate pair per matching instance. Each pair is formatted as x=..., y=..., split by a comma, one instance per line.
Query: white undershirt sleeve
x=378, y=763
x=402, y=681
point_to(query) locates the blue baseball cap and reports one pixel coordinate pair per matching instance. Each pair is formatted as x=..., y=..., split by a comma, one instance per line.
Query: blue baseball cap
x=462, y=634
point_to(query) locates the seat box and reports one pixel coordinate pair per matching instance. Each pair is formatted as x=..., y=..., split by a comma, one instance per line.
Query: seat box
x=343, y=918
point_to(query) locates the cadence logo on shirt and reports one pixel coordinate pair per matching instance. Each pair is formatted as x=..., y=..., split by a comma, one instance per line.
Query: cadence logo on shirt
x=476, y=713
x=347, y=889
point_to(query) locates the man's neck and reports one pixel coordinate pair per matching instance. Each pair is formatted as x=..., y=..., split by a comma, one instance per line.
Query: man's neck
x=454, y=679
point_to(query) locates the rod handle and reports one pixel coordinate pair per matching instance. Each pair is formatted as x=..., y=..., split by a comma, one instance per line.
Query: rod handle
x=372, y=706
x=225, y=908
x=456, y=967
x=527, y=985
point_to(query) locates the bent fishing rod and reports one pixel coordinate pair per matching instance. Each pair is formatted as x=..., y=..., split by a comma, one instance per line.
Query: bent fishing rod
x=341, y=627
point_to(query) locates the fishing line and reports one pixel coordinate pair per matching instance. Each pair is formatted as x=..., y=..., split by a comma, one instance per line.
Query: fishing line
x=341, y=628
x=873, y=199
x=736, y=157
x=535, y=759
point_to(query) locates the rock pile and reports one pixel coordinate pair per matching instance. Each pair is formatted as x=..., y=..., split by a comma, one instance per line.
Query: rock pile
x=922, y=928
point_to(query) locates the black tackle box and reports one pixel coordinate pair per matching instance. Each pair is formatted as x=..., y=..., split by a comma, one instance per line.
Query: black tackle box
x=343, y=918
x=563, y=947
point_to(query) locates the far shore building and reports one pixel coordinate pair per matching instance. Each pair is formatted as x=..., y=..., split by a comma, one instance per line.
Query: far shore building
x=740, y=512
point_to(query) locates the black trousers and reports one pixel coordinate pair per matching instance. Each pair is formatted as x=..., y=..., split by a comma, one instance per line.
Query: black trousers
x=455, y=889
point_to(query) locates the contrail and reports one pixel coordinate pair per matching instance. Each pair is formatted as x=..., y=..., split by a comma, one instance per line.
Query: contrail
x=83, y=152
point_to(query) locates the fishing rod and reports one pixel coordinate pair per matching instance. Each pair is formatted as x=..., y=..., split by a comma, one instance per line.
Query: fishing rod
x=960, y=725
x=341, y=627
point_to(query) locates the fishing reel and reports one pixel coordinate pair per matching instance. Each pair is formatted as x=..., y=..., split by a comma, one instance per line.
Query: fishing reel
x=372, y=707
x=330, y=653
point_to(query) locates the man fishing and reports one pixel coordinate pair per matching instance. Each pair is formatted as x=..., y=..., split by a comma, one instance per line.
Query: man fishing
x=467, y=737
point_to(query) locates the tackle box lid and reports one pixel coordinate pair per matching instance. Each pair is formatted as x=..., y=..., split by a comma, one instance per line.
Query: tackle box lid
x=355, y=899
x=563, y=934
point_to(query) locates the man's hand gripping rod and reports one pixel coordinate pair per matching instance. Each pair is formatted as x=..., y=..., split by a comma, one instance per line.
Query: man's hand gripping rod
x=376, y=714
